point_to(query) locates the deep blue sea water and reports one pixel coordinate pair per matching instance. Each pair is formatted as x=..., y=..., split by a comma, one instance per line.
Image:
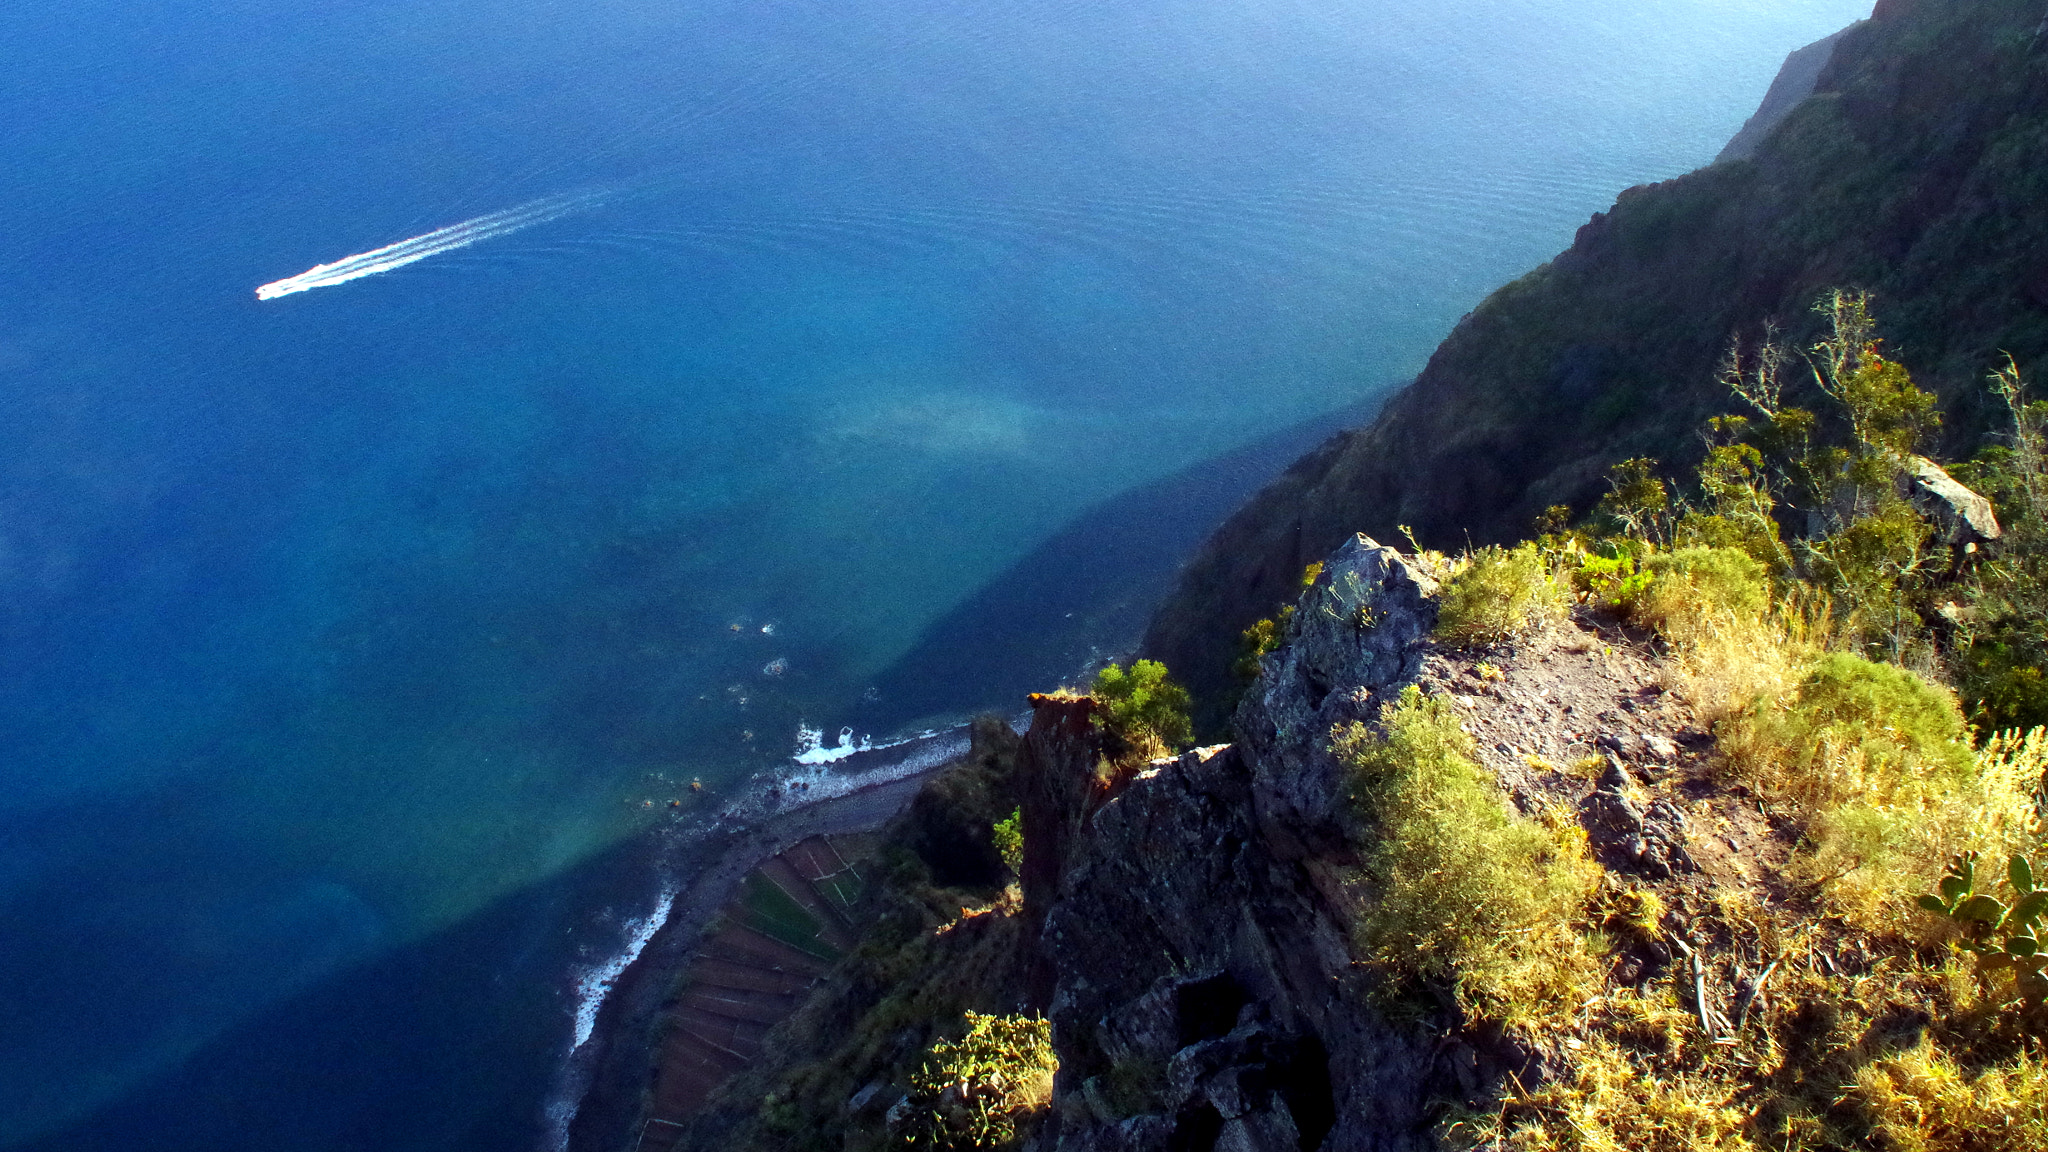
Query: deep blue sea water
x=345, y=636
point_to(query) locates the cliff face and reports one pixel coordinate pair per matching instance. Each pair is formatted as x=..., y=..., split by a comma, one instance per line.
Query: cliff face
x=1794, y=83
x=1205, y=994
x=1207, y=989
x=1912, y=171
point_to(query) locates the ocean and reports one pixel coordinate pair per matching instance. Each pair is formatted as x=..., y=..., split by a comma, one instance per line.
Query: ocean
x=697, y=367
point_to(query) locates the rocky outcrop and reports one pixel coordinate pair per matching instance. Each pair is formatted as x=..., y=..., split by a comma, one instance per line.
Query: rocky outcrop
x=1206, y=989
x=1205, y=995
x=1962, y=518
x=1357, y=634
x=1909, y=172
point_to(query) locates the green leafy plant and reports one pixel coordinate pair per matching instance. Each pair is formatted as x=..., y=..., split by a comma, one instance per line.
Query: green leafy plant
x=1864, y=544
x=1611, y=573
x=1637, y=503
x=2002, y=629
x=977, y=1091
x=1145, y=713
x=1254, y=642
x=1008, y=837
x=2003, y=937
x=1265, y=635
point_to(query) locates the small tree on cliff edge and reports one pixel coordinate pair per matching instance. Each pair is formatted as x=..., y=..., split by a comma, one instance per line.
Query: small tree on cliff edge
x=1144, y=711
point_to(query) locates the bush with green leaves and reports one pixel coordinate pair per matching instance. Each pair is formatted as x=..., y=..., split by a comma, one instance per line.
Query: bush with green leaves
x=1637, y=503
x=1610, y=571
x=1145, y=714
x=1496, y=594
x=1692, y=592
x=1874, y=763
x=1265, y=635
x=2003, y=636
x=977, y=1091
x=1008, y=838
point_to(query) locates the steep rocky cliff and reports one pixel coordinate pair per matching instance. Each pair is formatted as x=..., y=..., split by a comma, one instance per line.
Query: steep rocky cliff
x=1913, y=171
x=1208, y=991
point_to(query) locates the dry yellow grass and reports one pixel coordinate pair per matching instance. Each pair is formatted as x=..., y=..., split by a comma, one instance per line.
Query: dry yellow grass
x=1613, y=1102
x=1872, y=760
x=1922, y=1100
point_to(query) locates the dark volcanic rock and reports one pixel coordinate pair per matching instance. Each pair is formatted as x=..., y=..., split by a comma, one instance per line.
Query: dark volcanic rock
x=1205, y=994
x=1187, y=948
x=1358, y=632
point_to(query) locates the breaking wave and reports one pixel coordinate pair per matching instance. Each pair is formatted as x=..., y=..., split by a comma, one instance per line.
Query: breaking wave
x=432, y=244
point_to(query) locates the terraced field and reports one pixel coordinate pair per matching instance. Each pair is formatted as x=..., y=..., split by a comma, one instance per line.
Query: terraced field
x=792, y=918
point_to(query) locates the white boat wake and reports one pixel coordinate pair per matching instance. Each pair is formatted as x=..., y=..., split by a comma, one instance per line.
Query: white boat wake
x=432, y=244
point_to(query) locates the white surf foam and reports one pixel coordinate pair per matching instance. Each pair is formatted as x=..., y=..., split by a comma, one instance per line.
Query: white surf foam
x=431, y=244
x=593, y=986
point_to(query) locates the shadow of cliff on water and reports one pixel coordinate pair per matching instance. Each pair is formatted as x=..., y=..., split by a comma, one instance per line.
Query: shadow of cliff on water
x=1086, y=593
x=451, y=1041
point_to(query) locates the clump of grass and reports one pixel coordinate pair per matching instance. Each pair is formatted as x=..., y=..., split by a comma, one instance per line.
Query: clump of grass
x=1693, y=588
x=1469, y=893
x=1646, y=913
x=1923, y=1099
x=1714, y=608
x=976, y=1091
x=1611, y=1103
x=1588, y=767
x=1877, y=763
x=1496, y=594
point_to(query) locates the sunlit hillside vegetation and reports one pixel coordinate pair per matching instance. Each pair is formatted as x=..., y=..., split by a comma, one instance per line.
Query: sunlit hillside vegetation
x=1871, y=676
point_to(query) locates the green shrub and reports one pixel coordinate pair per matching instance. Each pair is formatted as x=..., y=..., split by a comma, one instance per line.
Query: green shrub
x=1008, y=837
x=1690, y=594
x=1496, y=594
x=1470, y=893
x=1254, y=642
x=2004, y=635
x=1146, y=714
x=1611, y=573
x=1264, y=635
x=977, y=1091
x=2003, y=677
x=1723, y=579
x=1876, y=764
x=1883, y=722
x=1637, y=503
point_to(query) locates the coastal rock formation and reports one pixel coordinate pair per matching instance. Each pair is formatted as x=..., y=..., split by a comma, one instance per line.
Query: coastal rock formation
x=1206, y=995
x=1794, y=82
x=1208, y=989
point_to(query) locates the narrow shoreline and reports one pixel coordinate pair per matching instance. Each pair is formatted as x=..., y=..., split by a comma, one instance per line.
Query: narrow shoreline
x=603, y=1076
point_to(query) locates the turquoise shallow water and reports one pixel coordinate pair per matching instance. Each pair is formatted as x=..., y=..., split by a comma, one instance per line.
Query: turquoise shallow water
x=345, y=634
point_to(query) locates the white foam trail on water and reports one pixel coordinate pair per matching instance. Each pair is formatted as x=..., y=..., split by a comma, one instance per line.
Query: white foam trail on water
x=431, y=244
